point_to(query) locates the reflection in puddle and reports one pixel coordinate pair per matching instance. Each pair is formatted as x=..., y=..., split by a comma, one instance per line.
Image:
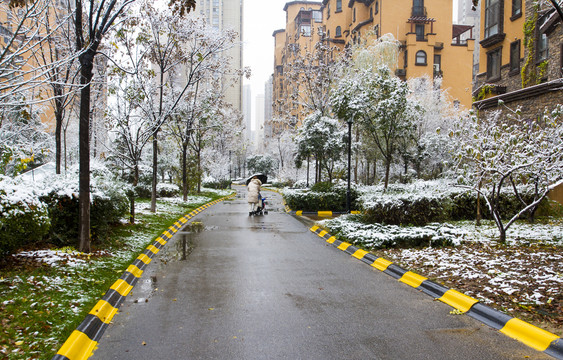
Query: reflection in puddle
x=185, y=245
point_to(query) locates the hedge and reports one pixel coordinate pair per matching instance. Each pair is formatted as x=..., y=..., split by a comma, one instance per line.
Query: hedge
x=322, y=196
x=399, y=206
x=24, y=218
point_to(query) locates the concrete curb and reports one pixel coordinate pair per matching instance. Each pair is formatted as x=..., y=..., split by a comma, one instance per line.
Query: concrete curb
x=84, y=340
x=522, y=331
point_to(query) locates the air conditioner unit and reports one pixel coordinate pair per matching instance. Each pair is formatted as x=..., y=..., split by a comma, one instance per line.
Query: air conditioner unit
x=437, y=67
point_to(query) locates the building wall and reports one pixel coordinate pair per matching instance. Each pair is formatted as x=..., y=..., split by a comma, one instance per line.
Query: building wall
x=228, y=14
x=386, y=17
x=513, y=31
x=535, y=97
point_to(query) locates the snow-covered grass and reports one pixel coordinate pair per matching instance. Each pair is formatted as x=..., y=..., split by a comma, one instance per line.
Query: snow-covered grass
x=523, y=277
x=46, y=293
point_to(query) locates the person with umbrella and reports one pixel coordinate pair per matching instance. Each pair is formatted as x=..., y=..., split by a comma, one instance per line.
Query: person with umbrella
x=253, y=194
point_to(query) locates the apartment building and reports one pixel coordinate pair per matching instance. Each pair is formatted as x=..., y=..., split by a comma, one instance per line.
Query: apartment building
x=227, y=14
x=521, y=60
x=304, y=28
x=431, y=45
x=469, y=14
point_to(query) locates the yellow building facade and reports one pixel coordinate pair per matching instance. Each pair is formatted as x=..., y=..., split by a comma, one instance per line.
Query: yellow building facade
x=431, y=45
x=304, y=29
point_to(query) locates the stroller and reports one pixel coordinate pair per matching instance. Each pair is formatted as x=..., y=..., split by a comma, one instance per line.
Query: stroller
x=261, y=206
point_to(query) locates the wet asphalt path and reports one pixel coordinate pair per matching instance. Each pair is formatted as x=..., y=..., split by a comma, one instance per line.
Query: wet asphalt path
x=265, y=287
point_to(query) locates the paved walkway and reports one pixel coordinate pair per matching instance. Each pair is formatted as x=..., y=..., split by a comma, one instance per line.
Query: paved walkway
x=238, y=287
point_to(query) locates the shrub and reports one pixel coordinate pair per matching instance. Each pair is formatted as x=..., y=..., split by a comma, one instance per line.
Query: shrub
x=167, y=190
x=144, y=191
x=326, y=197
x=109, y=205
x=23, y=217
x=350, y=228
x=217, y=184
x=433, y=201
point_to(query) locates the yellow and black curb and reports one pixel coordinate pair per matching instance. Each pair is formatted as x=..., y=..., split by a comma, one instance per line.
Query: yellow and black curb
x=522, y=331
x=319, y=213
x=84, y=340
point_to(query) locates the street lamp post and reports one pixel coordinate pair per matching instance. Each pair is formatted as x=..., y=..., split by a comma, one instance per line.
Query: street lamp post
x=349, y=121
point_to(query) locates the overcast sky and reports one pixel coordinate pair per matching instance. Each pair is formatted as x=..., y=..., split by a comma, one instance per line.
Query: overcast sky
x=261, y=18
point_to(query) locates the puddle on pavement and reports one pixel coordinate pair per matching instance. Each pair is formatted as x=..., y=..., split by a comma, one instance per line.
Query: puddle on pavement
x=185, y=243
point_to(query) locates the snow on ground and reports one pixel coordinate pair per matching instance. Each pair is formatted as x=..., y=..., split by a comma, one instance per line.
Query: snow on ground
x=522, y=277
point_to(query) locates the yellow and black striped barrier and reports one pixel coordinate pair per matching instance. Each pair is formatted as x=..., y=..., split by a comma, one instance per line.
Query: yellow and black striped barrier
x=84, y=340
x=320, y=213
x=522, y=331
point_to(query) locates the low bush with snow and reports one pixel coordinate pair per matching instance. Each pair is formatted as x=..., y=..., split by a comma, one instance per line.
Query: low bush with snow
x=23, y=217
x=162, y=190
x=322, y=196
x=424, y=202
x=351, y=229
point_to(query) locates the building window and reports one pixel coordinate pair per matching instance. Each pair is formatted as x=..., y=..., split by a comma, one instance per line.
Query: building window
x=354, y=16
x=515, y=57
x=338, y=31
x=376, y=7
x=420, y=58
x=493, y=64
x=328, y=11
x=317, y=16
x=492, y=17
x=305, y=30
x=328, y=34
x=406, y=59
x=419, y=29
x=338, y=5
x=516, y=9
x=418, y=8
x=542, y=47
x=437, y=63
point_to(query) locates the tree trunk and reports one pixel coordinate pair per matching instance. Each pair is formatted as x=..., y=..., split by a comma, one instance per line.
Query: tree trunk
x=198, y=154
x=478, y=220
x=185, y=171
x=502, y=231
x=58, y=131
x=86, y=62
x=308, y=163
x=374, y=171
x=387, y=171
x=132, y=195
x=154, y=171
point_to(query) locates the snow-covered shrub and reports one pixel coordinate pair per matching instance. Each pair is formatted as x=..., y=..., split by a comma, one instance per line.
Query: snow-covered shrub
x=167, y=190
x=144, y=191
x=349, y=228
x=212, y=183
x=23, y=217
x=424, y=202
x=322, y=196
x=109, y=203
x=300, y=184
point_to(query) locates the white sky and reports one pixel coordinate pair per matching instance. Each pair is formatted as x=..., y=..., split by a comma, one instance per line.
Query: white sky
x=261, y=18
